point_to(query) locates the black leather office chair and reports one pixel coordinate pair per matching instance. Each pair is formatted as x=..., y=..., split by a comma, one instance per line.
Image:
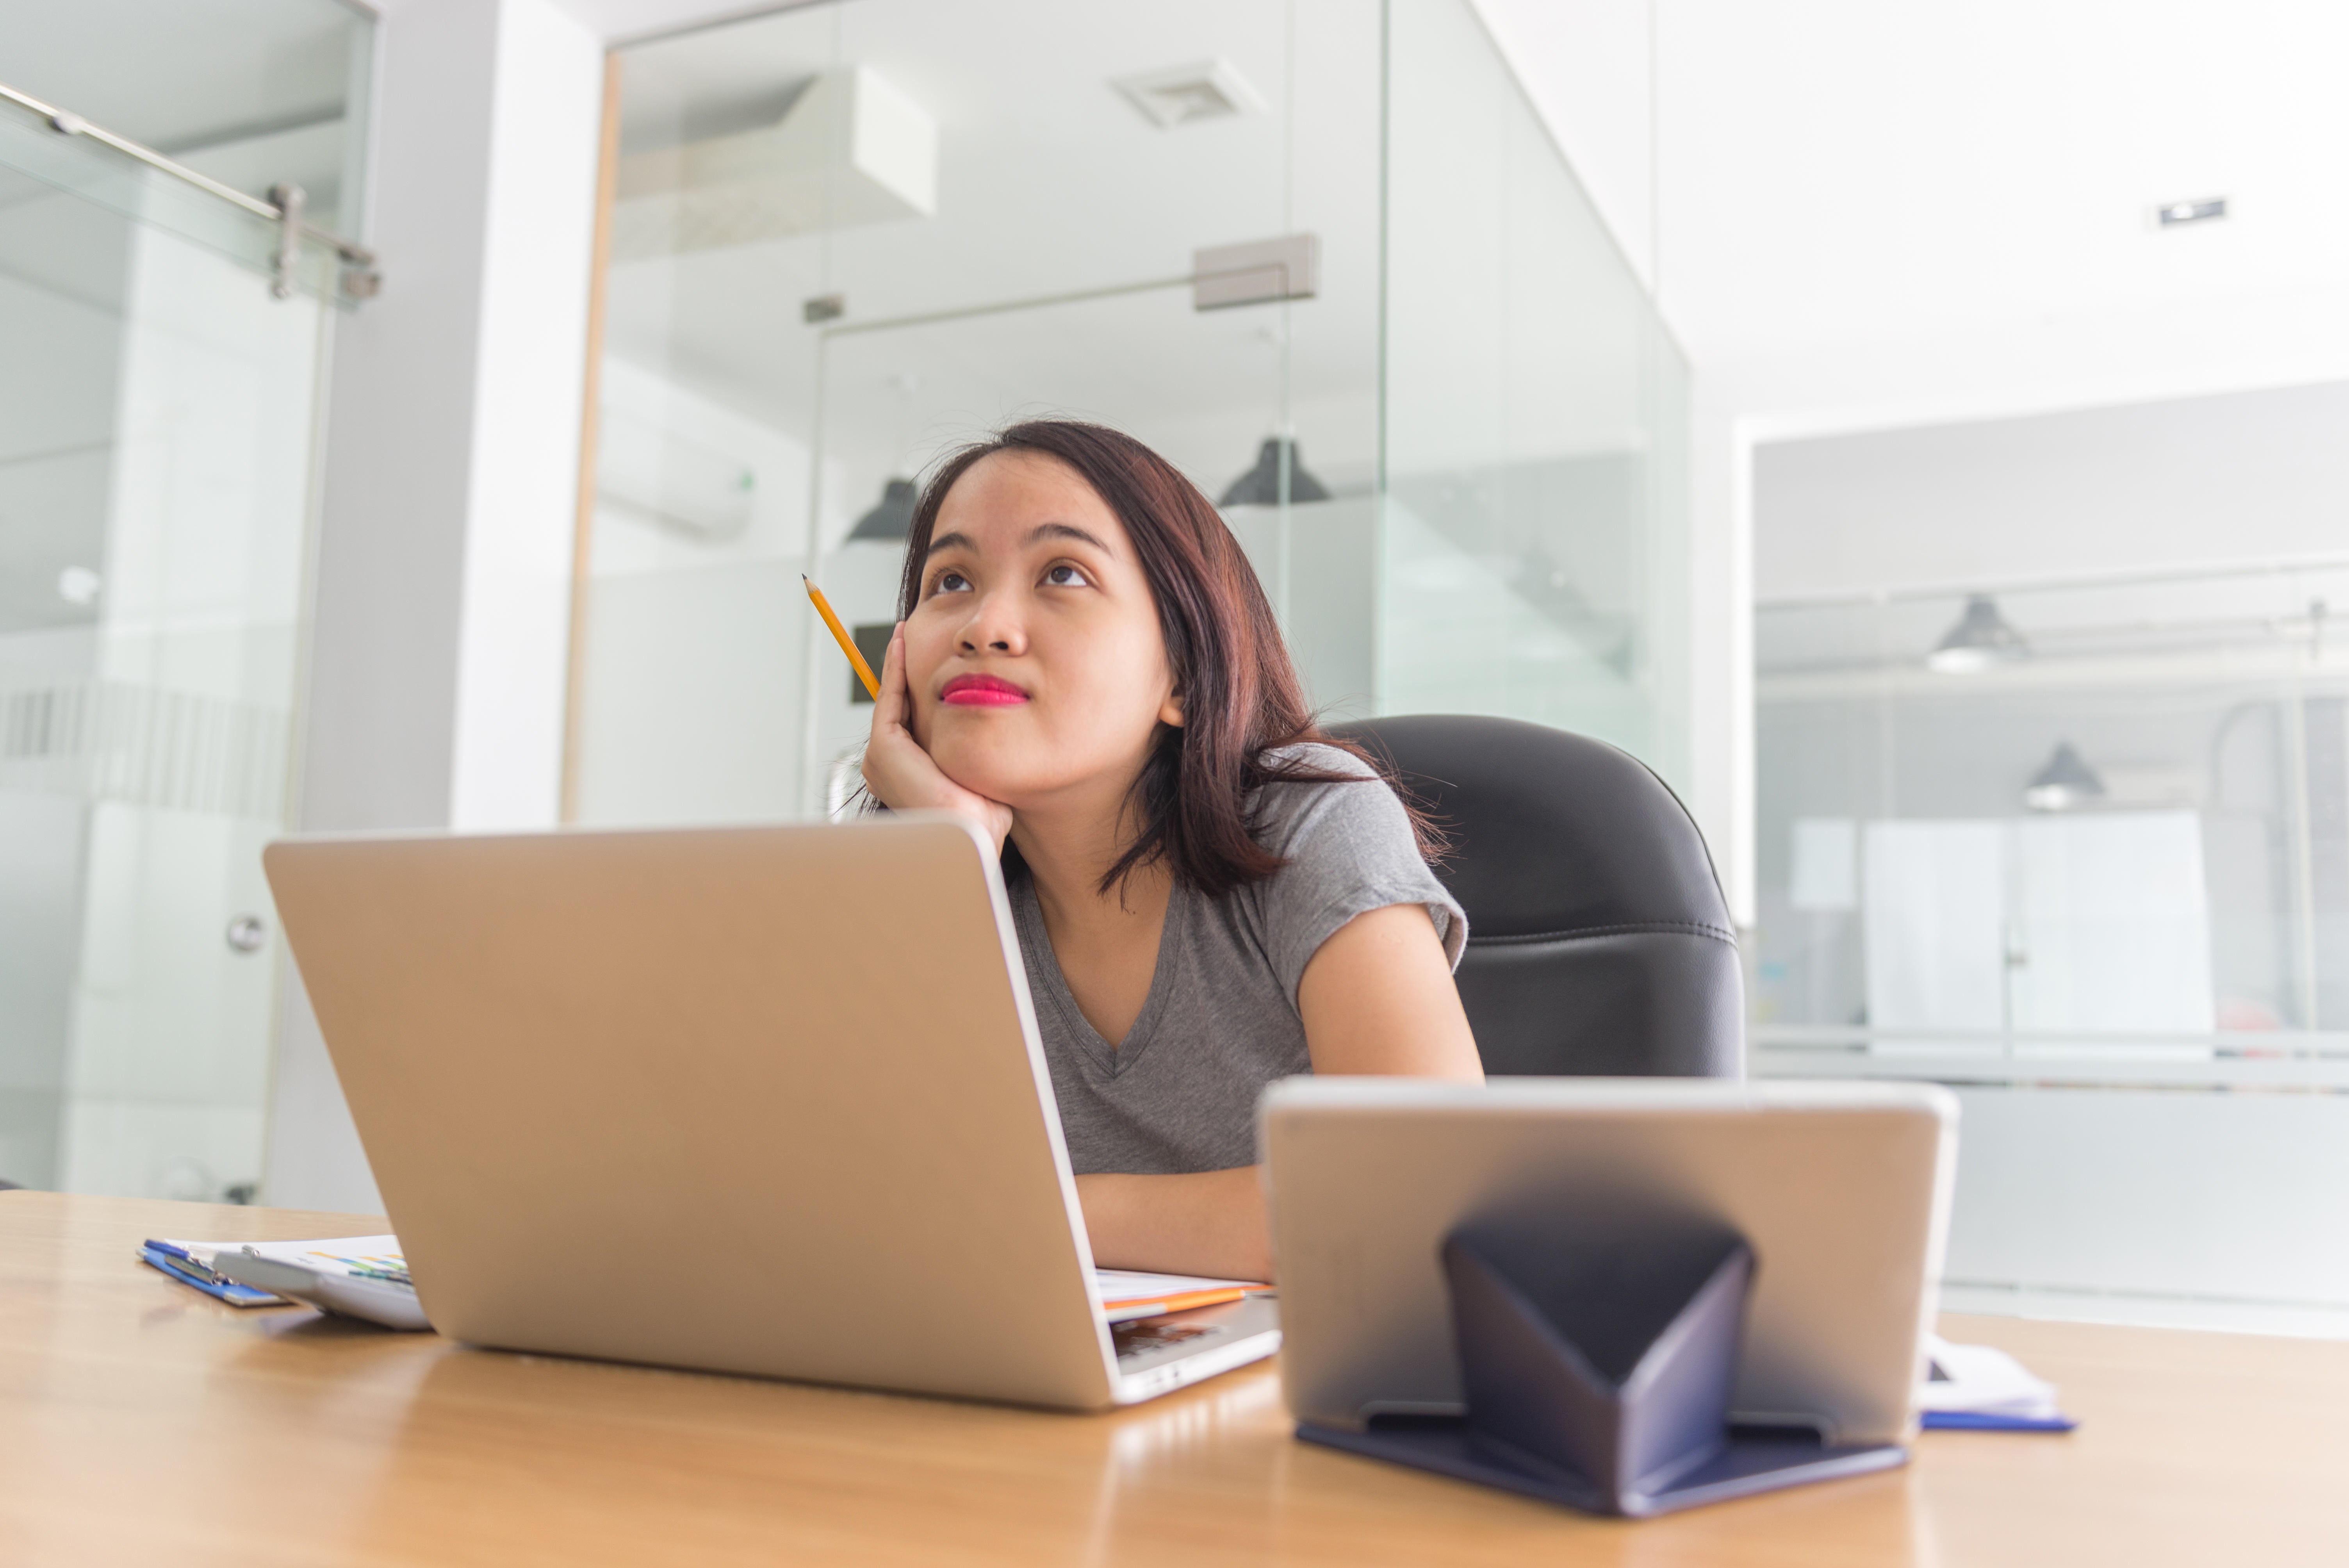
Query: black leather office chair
x=1598, y=942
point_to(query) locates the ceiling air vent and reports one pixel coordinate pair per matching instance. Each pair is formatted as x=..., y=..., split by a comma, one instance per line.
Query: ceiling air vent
x=1181, y=94
x=2169, y=214
x=850, y=149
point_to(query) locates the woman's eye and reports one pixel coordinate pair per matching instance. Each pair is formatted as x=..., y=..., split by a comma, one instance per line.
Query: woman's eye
x=1066, y=576
x=950, y=582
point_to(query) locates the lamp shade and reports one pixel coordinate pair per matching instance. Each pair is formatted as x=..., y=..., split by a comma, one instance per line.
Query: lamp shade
x=1981, y=638
x=2066, y=781
x=891, y=519
x=1261, y=486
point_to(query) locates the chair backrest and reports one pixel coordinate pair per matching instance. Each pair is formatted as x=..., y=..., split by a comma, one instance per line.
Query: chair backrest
x=1598, y=942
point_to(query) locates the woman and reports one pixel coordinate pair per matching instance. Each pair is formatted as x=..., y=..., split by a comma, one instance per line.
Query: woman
x=1209, y=896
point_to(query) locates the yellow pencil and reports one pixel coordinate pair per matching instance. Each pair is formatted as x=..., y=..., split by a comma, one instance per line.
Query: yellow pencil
x=847, y=644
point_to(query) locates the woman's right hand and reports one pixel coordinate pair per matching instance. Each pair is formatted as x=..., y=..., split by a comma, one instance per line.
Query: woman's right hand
x=901, y=775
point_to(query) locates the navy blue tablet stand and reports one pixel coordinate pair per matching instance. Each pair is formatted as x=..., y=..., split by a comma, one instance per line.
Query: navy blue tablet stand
x=1599, y=1360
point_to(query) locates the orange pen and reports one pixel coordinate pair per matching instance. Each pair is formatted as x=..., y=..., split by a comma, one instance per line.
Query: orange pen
x=840, y=635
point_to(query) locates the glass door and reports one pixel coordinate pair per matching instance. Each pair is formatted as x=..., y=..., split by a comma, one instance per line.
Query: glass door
x=156, y=434
x=893, y=397
x=805, y=313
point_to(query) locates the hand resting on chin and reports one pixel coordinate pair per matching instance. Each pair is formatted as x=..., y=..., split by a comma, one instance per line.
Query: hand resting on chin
x=901, y=774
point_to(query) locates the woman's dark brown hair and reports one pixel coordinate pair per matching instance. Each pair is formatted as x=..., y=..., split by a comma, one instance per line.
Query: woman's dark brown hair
x=1241, y=698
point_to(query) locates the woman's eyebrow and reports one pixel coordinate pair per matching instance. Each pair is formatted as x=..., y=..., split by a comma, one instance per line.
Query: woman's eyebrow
x=959, y=540
x=1068, y=530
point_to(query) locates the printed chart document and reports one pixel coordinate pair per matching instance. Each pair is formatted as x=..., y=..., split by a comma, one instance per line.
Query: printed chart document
x=354, y=1276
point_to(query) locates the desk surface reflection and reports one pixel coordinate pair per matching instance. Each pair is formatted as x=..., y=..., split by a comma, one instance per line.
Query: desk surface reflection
x=142, y=1422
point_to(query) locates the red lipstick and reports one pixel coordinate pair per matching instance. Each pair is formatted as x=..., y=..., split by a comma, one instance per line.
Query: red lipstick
x=982, y=691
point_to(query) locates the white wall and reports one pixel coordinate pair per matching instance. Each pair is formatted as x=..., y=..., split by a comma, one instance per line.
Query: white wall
x=2154, y=1192
x=450, y=468
x=1721, y=631
x=2242, y=476
x=530, y=374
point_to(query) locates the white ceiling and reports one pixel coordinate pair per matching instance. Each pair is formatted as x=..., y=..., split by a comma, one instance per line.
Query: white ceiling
x=1865, y=213
x=1860, y=214
x=1049, y=180
x=1871, y=214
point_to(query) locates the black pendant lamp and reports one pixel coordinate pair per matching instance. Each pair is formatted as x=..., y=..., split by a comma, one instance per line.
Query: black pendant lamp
x=1981, y=638
x=2066, y=781
x=891, y=519
x=1261, y=486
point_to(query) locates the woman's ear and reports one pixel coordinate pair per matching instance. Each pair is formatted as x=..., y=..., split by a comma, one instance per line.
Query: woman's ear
x=1171, y=710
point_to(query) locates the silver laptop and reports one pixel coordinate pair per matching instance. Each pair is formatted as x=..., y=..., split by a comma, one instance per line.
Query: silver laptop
x=1842, y=1191
x=766, y=1101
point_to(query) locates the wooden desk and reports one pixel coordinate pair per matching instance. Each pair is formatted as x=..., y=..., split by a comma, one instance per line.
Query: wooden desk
x=141, y=1422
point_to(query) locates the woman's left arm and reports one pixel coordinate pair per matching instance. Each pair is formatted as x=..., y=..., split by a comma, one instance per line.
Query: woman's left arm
x=1377, y=997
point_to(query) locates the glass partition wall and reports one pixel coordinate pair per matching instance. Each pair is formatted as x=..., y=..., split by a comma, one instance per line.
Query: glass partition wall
x=155, y=484
x=848, y=238
x=1535, y=530
x=2081, y=849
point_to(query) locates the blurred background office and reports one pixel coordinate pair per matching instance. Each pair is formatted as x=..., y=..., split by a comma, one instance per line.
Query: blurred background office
x=1917, y=433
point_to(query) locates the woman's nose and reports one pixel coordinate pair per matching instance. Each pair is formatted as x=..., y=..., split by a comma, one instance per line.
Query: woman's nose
x=994, y=627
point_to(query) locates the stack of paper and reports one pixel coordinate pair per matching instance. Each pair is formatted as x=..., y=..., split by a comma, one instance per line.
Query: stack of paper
x=354, y=1276
x=1974, y=1387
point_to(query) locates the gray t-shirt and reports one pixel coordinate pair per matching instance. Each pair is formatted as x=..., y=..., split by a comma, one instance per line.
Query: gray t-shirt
x=1221, y=1022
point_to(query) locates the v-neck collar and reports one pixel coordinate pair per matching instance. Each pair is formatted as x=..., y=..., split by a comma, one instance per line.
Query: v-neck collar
x=1115, y=1060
